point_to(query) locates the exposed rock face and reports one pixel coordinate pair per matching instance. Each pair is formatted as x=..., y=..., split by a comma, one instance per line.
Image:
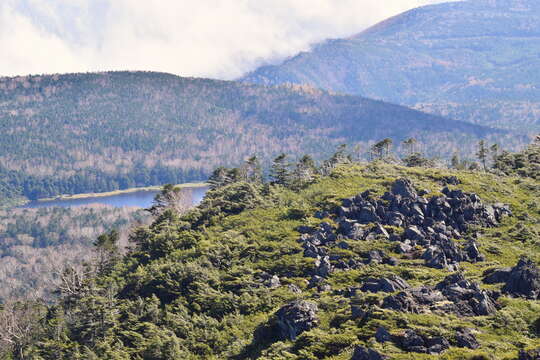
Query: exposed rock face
x=454, y=294
x=362, y=353
x=429, y=223
x=297, y=317
x=382, y=335
x=497, y=276
x=391, y=284
x=466, y=339
x=523, y=280
x=413, y=342
x=529, y=355
x=404, y=188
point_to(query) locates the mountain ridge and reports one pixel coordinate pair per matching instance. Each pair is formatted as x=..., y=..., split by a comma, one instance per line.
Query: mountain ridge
x=472, y=60
x=78, y=133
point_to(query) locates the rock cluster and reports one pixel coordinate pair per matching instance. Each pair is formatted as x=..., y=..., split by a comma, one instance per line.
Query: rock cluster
x=466, y=339
x=316, y=243
x=362, y=353
x=392, y=284
x=429, y=223
x=523, y=280
x=297, y=317
x=414, y=342
x=529, y=355
x=454, y=294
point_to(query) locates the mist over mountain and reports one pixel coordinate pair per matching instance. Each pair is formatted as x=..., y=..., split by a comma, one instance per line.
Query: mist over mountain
x=64, y=134
x=472, y=60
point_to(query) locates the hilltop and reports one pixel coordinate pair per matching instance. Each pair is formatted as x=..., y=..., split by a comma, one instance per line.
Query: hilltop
x=366, y=261
x=471, y=60
x=77, y=133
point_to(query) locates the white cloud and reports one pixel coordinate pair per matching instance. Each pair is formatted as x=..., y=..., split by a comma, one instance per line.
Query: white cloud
x=209, y=38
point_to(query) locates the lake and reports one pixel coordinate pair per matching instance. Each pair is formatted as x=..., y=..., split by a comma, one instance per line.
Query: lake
x=139, y=199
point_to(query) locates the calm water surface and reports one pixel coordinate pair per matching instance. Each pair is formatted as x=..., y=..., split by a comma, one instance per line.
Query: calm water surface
x=140, y=199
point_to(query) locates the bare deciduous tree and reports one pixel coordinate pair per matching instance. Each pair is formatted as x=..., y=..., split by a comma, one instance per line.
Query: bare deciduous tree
x=19, y=323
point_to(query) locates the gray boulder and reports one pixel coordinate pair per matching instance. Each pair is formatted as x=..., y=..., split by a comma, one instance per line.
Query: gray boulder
x=391, y=284
x=413, y=342
x=297, y=317
x=404, y=188
x=496, y=276
x=382, y=335
x=530, y=354
x=362, y=353
x=466, y=339
x=524, y=280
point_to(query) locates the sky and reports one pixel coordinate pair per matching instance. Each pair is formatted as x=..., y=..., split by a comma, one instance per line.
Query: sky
x=203, y=38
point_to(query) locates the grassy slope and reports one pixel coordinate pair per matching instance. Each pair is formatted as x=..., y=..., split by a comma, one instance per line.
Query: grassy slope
x=229, y=316
x=501, y=334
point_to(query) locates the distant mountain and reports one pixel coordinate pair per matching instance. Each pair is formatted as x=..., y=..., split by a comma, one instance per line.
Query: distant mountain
x=477, y=61
x=99, y=132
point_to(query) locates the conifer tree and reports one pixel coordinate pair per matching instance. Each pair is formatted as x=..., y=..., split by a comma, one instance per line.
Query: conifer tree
x=280, y=171
x=482, y=154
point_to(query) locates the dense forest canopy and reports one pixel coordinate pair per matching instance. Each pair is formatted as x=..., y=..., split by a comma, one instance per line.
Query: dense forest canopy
x=65, y=134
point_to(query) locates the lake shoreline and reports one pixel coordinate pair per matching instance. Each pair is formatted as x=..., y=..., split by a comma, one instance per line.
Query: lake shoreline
x=118, y=192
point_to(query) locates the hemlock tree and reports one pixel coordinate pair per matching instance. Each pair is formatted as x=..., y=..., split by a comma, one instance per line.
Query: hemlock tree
x=252, y=170
x=280, y=172
x=305, y=171
x=171, y=197
x=482, y=154
x=494, y=152
x=410, y=145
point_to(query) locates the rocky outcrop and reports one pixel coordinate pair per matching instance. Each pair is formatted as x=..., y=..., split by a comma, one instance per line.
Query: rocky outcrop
x=297, y=317
x=362, y=353
x=414, y=342
x=391, y=284
x=495, y=276
x=523, y=280
x=454, y=294
x=382, y=335
x=529, y=354
x=430, y=223
x=466, y=339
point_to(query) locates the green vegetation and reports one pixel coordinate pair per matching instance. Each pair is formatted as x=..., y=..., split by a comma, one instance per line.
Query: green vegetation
x=81, y=133
x=193, y=285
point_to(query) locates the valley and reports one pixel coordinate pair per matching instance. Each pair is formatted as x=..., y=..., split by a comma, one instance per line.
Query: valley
x=373, y=197
x=141, y=198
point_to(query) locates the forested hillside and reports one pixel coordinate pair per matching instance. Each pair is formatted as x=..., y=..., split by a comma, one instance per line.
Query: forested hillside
x=346, y=261
x=36, y=244
x=473, y=60
x=66, y=134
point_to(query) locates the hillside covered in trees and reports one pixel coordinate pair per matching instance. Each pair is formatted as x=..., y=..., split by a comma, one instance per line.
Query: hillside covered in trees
x=473, y=60
x=342, y=261
x=65, y=134
x=36, y=244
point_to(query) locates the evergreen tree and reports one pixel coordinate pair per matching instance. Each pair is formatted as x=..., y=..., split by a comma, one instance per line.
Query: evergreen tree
x=494, y=152
x=252, y=170
x=455, y=163
x=280, y=172
x=410, y=145
x=304, y=172
x=482, y=154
